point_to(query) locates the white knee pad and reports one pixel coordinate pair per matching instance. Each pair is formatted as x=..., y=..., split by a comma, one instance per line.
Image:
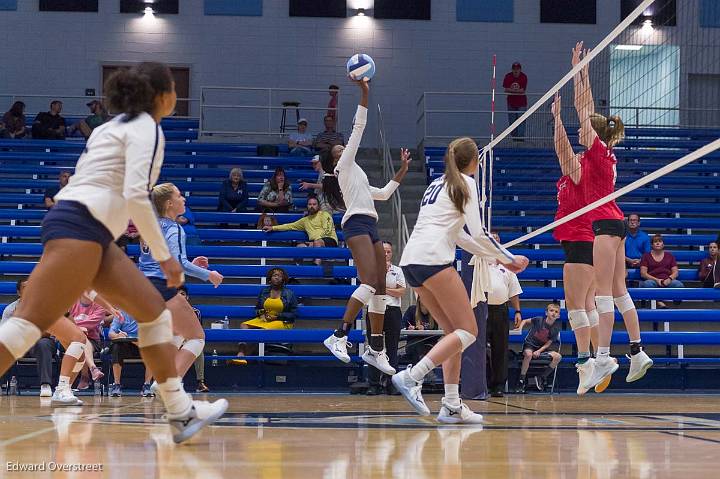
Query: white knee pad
x=594, y=318
x=156, y=332
x=624, y=303
x=466, y=339
x=19, y=335
x=378, y=304
x=604, y=304
x=75, y=349
x=195, y=346
x=364, y=293
x=578, y=318
x=178, y=341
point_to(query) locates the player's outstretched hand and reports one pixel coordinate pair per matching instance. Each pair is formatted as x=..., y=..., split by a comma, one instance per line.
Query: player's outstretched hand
x=405, y=159
x=519, y=264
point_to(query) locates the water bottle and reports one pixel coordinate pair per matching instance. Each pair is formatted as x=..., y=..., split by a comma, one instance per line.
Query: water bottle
x=214, y=361
x=226, y=323
x=13, y=388
x=98, y=388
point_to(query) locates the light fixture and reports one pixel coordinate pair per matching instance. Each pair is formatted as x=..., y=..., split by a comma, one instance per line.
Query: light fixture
x=628, y=47
x=149, y=11
x=647, y=27
x=360, y=12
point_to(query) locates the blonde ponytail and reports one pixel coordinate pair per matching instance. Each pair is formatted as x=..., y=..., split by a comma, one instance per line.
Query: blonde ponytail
x=160, y=196
x=461, y=152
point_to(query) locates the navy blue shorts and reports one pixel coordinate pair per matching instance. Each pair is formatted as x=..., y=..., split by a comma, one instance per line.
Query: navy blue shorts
x=72, y=220
x=162, y=287
x=417, y=274
x=359, y=225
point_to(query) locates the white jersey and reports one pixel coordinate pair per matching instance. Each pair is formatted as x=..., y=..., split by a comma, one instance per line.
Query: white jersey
x=115, y=174
x=394, y=278
x=354, y=185
x=439, y=229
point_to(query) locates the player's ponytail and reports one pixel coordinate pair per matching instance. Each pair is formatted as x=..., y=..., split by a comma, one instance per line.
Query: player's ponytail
x=330, y=185
x=610, y=130
x=133, y=91
x=460, y=153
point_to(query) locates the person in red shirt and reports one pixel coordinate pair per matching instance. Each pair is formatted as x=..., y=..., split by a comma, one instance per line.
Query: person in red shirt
x=515, y=84
x=333, y=90
x=659, y=268
x=599, y=135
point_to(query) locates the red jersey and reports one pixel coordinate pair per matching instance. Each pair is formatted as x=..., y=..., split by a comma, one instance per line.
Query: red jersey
x=571, y=198
x=599, y=175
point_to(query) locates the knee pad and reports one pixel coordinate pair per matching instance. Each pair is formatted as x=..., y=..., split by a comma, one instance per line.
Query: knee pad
x=178, y=341
x=604, y=304
x=195, y=346
x=75, y=349
x=364, y=293
x=593, y=317
x=378, y=304
x=466, y=339
x=156, y=332
x=624, y=303
x=19, y=335
x=578, y=318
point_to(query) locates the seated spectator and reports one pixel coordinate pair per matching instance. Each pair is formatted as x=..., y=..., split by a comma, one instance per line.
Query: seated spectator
x=543, y=337
x=333, y=90
x=276, y=308
x=99, y=115
x=658, y=268
x=300, y=141
x=122, y=329
x=418, y=318
x=14, y=121
x=317, y=186
x=317, y=224
x=130, y=236
x=637, y=242
x=233, y=195
x=51, y=191
x=89, y=316
x=43, y=351
x=709, y=270
x=187, y=221
x=276, y=195
x=200, y=360
x=328, y=138
x=49, y=125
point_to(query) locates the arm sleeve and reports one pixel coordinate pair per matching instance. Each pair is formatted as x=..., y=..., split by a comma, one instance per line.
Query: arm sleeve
x=290, y=308
x=176, y=243
x=384, y=193
x=298, y=225
x=476, y=239
x=115, y=326
x=348, y=155
x=139, y=157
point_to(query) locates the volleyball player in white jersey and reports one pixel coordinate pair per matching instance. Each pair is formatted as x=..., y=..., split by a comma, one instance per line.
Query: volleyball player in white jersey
x=111, y=185
x=449, y=207
x=346, y=186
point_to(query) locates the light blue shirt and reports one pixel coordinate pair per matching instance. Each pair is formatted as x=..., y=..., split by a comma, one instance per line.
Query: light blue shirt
x=129, y=326
x=175, y=238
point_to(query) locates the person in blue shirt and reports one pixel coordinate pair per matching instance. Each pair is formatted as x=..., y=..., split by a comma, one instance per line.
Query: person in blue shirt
x=637, y=242
x=187, y=221
x=233, y=196
x=123, y=329
x=189, y=334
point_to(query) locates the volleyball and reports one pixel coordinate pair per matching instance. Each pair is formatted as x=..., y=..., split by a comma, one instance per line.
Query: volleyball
x=361, y=67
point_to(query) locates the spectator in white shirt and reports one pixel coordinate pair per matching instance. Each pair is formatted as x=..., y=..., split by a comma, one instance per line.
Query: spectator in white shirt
x=300, y=142
x=505, y=289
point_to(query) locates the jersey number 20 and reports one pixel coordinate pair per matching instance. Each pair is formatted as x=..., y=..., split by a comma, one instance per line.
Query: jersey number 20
x=431, y=194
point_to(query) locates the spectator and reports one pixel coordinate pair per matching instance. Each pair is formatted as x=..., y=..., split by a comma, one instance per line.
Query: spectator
x=333, y=90
x=637, y=242
x=233, y=196
x=187, y=221
x=328, y=138
x=658, y=268
x=99, y=115
x=14, y=121
x=49, y=125
x=544, y=336
x=51, y=191
x=418, y=318
x=130, y=236
x=515, y=85
x=43, y=351
x=709, y=271
x=88, y=316
x=395, y=289
x=123, y=333
x=317, y=186
x=276, y=195
x=200, y=360
x=276, y=308
x=300, y=141
x=318, y=225
x=505, y=288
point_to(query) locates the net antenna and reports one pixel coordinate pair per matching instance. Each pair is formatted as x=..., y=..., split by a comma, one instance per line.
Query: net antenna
x=484, y=175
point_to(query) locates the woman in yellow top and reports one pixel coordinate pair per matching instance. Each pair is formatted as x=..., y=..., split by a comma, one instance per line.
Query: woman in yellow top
x=276, y=308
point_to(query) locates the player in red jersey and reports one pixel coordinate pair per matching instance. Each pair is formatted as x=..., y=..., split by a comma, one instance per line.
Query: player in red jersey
x=599, y=135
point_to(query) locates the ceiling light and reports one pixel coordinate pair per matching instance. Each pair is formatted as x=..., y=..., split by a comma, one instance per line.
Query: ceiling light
x=360, y=12
x=628, y=47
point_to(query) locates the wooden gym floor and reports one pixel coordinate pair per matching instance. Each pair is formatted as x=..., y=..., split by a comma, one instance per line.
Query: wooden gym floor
x=278, y=436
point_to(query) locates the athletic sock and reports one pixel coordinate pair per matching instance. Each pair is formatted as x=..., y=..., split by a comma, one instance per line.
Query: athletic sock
x=452, y=394
x=377, y=342
x=603, y=352
x=634, y=347
x=421, y=369
x=176, y=400
x=64, y=382
x=343, y=330
x=583, y=357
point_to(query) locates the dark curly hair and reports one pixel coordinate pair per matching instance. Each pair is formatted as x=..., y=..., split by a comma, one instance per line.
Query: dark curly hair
x=132, y=91
x=285, y=277
x=331, y=187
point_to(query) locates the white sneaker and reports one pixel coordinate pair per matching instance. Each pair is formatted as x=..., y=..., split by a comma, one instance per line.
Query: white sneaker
x=339, y=347
x=379, y=360
x=411, y=390
x=604, y=367
x=45, y=391
x=585, y=373
x=65, y=397
x=639, y=364
x=458, y=415
x=201, y=414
